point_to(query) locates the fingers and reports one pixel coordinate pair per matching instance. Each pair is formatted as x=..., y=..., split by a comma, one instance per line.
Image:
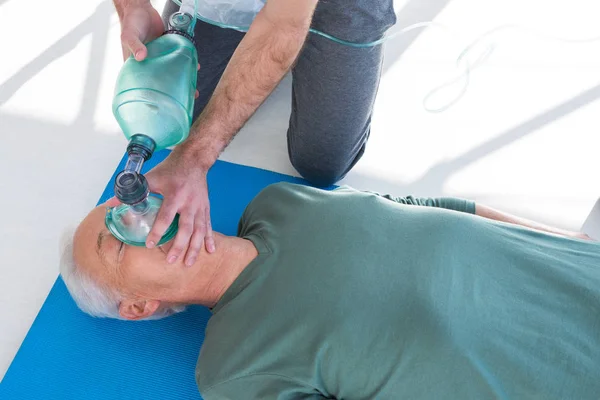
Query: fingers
x=184, y=232
x=165, y=216
x=132, y=44
x=209, y=241
x=184, y=192
x=197, y=93
x=126, y=52
x=586, y=237
x=202, y=235
x=196, y=242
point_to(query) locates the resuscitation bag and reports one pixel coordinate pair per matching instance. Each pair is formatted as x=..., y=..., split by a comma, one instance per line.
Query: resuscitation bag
x=236, y=14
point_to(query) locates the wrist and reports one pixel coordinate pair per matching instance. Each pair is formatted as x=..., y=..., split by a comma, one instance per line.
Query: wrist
x=205, y=143
x=200, y=154
x=193, y=158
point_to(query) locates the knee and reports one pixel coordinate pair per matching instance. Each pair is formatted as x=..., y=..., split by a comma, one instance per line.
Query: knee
x=324, y=158
x=318, y=175
x=319, y=169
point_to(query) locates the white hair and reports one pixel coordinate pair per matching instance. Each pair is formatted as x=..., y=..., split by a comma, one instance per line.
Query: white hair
x=91, y=297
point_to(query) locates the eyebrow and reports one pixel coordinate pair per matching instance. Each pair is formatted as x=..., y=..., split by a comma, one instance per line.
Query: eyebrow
x=99, y=249
x=102, y=254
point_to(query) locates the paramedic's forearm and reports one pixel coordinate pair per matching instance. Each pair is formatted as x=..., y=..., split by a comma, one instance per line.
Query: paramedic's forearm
x=490, y=213
x=260, y=62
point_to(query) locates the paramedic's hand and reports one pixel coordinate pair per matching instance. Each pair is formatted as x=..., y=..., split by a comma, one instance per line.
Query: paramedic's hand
x=182, y=182
x=140, y=24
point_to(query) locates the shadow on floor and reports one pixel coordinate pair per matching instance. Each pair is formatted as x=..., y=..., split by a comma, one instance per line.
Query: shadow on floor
x=98, y=25
x=413, y=12
x=432, y=182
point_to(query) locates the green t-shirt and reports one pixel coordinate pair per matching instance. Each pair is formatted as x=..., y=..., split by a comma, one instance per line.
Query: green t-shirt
x=359, y=296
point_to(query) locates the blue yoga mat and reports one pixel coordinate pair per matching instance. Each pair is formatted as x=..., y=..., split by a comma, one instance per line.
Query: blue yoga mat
x=69, y=355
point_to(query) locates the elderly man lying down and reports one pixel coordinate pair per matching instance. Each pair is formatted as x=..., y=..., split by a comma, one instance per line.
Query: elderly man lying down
x=346, y=294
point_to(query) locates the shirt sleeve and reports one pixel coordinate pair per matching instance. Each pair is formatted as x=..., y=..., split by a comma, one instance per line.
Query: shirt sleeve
x=450, y=203
x=261, y=386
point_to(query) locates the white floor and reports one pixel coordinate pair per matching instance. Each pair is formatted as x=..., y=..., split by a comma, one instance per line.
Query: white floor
x=524, y=137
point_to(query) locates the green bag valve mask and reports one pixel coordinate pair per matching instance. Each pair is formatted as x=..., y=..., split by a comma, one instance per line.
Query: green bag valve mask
x=153, y=104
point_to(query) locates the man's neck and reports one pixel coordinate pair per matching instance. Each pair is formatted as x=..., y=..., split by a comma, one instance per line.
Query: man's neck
x=218, y=270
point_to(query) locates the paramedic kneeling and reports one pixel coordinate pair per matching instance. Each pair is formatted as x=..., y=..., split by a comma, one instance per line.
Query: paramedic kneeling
x=334, y=88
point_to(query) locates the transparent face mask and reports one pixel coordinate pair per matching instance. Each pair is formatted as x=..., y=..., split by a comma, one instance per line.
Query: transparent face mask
x=131, y=224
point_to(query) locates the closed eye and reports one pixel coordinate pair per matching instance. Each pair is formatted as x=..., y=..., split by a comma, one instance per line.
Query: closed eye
x=120, y=253
x=106, y=249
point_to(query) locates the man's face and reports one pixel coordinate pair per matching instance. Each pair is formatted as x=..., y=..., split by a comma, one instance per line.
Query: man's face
x=139, y=273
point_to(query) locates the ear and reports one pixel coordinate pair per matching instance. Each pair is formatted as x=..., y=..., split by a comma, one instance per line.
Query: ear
x=138, y=309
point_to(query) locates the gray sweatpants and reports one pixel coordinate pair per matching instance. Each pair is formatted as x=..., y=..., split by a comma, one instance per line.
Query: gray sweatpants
x=333, y=86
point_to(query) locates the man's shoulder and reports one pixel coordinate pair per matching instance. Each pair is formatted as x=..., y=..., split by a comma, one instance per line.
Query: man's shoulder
x=286, y=195
x=293, y=188
x=282, y=187
x=279, y=191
